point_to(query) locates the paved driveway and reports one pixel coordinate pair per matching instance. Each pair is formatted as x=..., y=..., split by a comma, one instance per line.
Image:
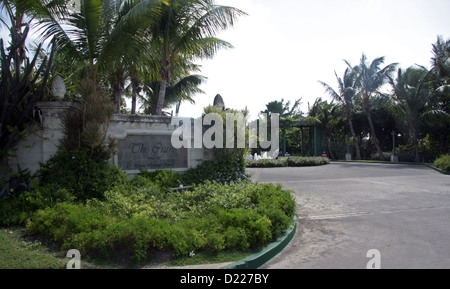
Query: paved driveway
x=347, y=209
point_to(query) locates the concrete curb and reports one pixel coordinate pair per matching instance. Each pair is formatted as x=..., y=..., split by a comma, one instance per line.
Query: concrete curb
x=257, y=260
x=437, y=169
x=397, y=163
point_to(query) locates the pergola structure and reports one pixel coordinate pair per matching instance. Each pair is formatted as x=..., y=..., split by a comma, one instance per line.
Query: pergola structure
x=316, y=143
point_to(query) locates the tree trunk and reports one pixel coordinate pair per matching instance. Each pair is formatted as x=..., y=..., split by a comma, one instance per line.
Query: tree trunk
x=161, y=97
x=134, y=93
x=416, y=145
x=355, y=139
x=374, y=135
x=328, y=145
x=118, y=85
x=117, y=92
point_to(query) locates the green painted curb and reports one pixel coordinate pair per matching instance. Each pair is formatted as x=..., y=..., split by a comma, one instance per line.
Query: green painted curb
x=256, y=260
x=437, y=169
x=396, y=163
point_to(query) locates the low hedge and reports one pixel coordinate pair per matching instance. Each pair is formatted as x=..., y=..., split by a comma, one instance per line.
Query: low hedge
x=288, y=162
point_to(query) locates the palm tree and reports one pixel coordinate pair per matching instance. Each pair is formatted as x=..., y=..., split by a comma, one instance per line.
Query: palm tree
x=323, y=115
x=371, y=78
x=346, y=97
x=283, y=109
x=412, y=99
x=102, y=35
x=187, y=28
x=178, y=91
x=440, y=73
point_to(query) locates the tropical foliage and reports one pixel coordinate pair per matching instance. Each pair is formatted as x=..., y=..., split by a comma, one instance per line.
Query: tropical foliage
x=376, y=109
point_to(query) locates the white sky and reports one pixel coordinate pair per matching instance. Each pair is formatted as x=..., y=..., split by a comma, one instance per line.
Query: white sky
x=283, y=47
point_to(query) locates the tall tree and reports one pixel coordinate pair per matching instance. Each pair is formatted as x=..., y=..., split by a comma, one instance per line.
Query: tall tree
x=23, y=80
x=179, y=90
x=440, y=73
x=283, y=108
x=102, y=35
x=346, y=95
x=325, y=113
x=414, y=101
x=371, y=78
x=187, y=28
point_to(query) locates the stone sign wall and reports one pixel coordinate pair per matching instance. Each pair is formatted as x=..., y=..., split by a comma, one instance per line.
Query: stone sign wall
x=150, y=152
x=144, y=142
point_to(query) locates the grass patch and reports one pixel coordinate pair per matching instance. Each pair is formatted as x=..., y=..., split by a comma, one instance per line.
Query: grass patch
x=17, y=252
x=202, y=258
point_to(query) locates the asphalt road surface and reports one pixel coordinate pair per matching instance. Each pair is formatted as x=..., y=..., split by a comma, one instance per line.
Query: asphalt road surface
x=347, y=209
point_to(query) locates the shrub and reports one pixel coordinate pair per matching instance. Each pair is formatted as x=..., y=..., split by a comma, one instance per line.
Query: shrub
x=164, y=179
x=65, y=220
x=85, y=175
x=443, y=163
x=227, y=168
x=133, y=220
x=16, y=210
x=277, y=204
x=267, y=163
x=307, y=161
x=288, y=162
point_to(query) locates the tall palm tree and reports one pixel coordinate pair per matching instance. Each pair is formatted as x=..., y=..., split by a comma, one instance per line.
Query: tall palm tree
x=346, y=97
x=440, y=73
x=413, y=101
x=371, y=78
x=187, y=28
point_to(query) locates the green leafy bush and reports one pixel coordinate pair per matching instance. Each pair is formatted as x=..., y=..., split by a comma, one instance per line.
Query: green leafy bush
x=65, y=220
x=133, y=220
x=227, y=168
x=85, y=175
x=443, y=163
x=164, y=179
x=16, y=210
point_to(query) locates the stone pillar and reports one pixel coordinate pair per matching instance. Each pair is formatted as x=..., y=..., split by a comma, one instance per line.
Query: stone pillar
x=42, y=141
x=52, y=116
